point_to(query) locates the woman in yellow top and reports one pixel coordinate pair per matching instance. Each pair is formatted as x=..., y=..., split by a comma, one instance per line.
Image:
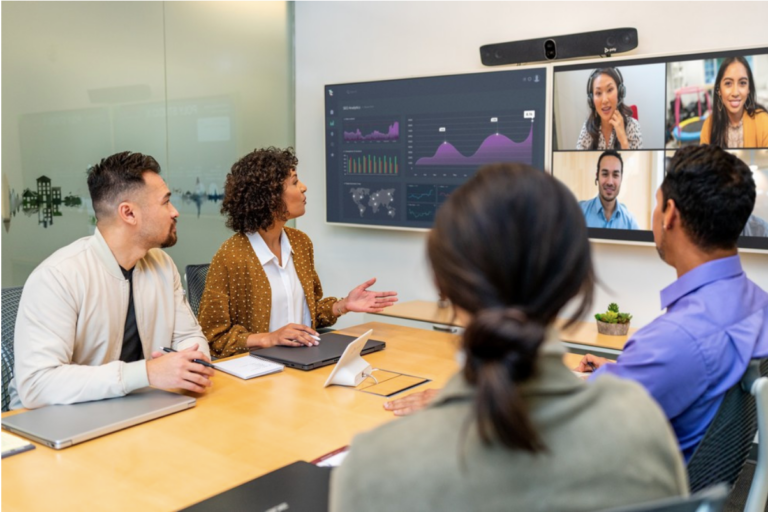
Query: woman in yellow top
x=728, y=127
x=262, y=289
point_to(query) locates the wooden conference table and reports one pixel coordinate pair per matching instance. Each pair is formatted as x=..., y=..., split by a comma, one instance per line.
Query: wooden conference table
x=581, y=336
x=239, y=430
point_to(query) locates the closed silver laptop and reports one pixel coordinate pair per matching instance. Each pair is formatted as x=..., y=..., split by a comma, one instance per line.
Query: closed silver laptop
x=60, y=426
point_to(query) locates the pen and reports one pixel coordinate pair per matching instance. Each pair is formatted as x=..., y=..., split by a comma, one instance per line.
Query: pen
x=316, y=338
x=198, y=361
x=591, y=366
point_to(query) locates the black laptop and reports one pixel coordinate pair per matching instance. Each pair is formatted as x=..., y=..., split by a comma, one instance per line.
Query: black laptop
x=329, y=351
x=299, y=487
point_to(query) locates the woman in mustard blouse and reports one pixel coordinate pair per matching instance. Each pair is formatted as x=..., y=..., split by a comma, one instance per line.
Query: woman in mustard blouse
x=262, y=289
x=728, y=126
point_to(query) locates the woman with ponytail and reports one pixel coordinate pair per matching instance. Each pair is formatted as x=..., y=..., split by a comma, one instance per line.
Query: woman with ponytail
x=514, y=429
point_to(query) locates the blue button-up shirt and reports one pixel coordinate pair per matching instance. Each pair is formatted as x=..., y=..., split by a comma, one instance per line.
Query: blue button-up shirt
x=716, y=321
x=622, y=218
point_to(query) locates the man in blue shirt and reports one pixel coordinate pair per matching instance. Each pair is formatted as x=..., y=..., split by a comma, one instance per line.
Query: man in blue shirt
x=605, y=211
x=716, y=319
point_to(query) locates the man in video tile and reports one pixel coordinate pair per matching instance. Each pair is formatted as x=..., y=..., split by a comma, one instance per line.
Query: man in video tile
x=605, y=210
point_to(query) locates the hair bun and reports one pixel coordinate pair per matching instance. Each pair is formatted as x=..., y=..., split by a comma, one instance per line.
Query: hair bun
x=506, y=336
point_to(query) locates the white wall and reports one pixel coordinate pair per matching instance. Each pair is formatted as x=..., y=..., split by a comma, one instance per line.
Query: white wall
x=350, y=42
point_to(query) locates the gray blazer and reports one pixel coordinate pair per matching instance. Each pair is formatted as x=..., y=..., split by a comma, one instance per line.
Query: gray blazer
x=608, y=444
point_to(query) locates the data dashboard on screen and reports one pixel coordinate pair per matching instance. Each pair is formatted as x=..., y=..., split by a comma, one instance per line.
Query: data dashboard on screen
x=396, y=149
x=618, y=122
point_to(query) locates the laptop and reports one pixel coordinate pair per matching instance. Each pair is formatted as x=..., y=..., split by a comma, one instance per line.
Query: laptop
x=329, y=351
x=298, y=487
x=60, y=426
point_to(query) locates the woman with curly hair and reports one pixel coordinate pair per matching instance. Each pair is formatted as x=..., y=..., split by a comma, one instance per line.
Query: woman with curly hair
x=735, y=94
x=262, y=289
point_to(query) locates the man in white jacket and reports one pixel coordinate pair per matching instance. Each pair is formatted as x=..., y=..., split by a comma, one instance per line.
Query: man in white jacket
x=94, y=316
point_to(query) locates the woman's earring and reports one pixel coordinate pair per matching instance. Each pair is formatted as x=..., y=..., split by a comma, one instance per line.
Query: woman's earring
x=719, y=104
x=750, y=102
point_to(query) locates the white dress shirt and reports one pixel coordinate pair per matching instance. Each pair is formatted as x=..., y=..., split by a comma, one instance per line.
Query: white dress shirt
x=289, y=304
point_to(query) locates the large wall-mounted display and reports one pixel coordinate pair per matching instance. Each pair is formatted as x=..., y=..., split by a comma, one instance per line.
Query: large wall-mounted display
x=396, y=149
x=641, y=110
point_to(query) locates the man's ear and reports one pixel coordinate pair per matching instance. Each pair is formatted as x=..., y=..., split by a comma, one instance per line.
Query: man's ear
x=127, y=212
x=671, y=215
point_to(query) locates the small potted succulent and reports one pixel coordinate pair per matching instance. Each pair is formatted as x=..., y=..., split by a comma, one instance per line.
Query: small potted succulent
x=612, y=322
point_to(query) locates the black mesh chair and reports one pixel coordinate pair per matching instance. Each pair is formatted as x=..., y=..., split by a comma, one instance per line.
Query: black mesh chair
x=757, y=500
x=11, y=298
x=195, y=276
x=722, y=453
x=708, y=500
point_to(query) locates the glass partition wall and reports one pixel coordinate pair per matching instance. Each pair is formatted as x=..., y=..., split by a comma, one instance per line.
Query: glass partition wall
x=194, y=84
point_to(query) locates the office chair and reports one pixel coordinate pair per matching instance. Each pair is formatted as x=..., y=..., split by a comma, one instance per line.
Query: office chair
x=723, y=452
x=757, y=501
x=195, y=276
x=709, y=500
x=10, y=304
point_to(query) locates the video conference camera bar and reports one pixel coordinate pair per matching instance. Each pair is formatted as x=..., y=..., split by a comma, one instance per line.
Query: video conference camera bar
x=587, y=44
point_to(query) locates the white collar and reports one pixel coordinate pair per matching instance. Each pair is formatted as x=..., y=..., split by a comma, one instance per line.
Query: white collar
x=263, y=252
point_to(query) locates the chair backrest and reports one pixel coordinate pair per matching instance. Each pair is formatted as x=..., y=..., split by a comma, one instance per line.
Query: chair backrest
x=757, y=500
x=723, y=451
x=10, y=304
x=195, y=276
x=709, y=500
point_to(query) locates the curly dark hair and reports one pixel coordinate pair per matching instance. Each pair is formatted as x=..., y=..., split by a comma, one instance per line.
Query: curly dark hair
x=253, y=191
x=713, y=191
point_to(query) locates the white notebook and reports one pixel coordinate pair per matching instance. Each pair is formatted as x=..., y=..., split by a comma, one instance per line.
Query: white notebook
x=12, y=444
x=248, y=367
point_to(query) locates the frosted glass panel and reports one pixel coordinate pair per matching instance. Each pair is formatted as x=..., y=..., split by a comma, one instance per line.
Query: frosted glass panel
x=196, y=85
x=229, y=76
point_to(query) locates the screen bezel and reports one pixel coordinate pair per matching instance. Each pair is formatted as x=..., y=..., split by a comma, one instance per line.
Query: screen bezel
x=644, y=237
x=546, y=117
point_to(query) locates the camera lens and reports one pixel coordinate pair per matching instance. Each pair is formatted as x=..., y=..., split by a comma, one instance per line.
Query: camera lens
x=550, y=50
x=611, y=41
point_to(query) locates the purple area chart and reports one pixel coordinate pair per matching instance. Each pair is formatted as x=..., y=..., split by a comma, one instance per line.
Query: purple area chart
x=495, y=148
x=367, y=133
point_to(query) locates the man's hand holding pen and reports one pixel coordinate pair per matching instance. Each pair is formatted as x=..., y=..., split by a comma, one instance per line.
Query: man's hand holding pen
x=590, y=363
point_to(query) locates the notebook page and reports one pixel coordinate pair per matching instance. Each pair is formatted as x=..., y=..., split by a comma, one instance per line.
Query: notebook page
x=248, y=367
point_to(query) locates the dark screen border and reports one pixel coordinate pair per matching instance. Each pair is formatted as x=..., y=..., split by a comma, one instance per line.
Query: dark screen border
x=627, y=235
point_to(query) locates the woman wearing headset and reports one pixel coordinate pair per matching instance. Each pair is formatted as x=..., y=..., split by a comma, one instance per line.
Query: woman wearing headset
x=610, y=124
x=728, y=127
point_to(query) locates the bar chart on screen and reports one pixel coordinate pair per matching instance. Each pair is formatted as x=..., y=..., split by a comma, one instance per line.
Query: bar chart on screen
x=372, y=162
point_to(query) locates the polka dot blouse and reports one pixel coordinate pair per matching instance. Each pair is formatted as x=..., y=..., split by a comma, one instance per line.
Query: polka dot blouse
x=237, y=297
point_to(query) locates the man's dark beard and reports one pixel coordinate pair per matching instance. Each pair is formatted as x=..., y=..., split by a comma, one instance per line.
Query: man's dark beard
x=171, y=240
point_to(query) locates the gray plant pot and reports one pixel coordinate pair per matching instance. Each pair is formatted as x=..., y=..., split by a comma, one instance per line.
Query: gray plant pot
x=612, y=329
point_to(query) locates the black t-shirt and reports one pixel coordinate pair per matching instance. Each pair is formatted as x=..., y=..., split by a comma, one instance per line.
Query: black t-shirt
x=132, y=349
